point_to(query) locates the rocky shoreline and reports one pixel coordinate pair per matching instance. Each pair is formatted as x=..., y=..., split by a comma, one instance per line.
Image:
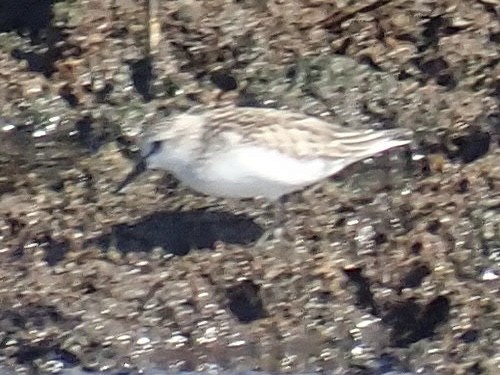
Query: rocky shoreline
x=399, y=257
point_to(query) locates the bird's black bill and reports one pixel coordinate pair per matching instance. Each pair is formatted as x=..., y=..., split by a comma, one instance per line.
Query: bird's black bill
x=139, y=168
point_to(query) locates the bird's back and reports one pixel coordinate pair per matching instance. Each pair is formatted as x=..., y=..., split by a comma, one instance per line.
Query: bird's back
x=297, y=134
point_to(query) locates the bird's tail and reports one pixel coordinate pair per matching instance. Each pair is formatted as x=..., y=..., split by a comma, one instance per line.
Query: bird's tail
x=369, y=143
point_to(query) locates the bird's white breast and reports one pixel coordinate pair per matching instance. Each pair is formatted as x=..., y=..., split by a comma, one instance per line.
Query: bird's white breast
x=245, y=171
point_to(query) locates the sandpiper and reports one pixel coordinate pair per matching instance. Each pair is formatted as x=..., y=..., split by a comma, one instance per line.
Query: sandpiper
x=247, y=152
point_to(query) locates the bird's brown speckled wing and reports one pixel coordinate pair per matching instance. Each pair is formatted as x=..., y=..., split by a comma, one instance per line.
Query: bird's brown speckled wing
x=292, y=133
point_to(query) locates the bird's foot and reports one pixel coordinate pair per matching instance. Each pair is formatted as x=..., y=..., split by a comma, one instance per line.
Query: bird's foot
x=274, y=233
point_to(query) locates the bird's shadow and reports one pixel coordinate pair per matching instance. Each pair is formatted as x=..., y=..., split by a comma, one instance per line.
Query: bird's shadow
x=179, y=232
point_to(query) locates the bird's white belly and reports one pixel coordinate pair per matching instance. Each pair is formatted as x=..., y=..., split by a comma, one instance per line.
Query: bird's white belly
x=251, y=171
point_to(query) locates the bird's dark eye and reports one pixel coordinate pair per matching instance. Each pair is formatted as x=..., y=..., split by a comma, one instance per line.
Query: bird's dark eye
x=155, y=147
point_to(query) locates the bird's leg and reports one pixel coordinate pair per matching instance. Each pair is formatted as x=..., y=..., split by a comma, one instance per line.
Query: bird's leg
x=277, y=227
x=279, y=217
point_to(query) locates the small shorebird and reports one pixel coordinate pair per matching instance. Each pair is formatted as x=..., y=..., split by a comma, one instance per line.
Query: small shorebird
x=246, y=152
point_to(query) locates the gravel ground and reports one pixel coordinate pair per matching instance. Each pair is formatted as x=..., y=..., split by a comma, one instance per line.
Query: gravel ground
x=162, y=372
x=391, y=266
